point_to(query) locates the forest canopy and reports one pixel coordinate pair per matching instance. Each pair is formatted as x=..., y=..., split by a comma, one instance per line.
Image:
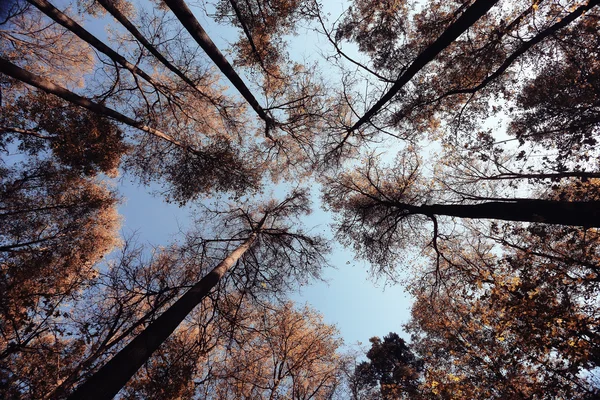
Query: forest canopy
x=452, y=143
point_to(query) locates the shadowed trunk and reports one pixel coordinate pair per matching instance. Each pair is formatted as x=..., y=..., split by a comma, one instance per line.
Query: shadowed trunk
x=464, y=22
x=108, y=380
x=550, y=175
x=576, y=213
x=552, y=29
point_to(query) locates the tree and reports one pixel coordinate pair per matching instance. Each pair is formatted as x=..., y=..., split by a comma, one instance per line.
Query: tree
x=452, y=99
x=115, y=10
x=58, y=220
x=381, y=211
x=131, y=290
x=56, y=226
x=398, y=41
x=520, y=325
x=175, y=149
x=85, y=142
x=509, y=310
x=187, y=19
x=392, y=372
x=558, y=107
x=466, y=19
x=476, y=176
x=245, y=349
x=31, y=127
x=273, y=351
x=292, y=119
x=170, y=372
x=274, y=239
x=146, y=102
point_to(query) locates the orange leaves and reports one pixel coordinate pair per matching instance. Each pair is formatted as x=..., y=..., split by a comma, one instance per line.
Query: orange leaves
x=46, y=49
x=276, y=351
x=513, y=323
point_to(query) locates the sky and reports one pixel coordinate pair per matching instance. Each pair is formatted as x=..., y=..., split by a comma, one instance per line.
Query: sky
x=347, y=297
x=350, y=298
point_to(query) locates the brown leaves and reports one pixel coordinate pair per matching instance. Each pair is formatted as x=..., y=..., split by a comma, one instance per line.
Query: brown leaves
x=85, y=141
x=515, y=324
x=55, y=227
x=275, y=350
x=45, y=48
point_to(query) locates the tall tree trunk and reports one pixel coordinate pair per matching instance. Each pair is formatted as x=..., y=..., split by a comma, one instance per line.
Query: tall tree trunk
x=550, y=175
x=111, y=340
x=576, y=213
x=64, y=20
x=187, y=19
x=551, y=30
x=464, y=22
x=27, y=77
x=108, y=380
x=119, y=16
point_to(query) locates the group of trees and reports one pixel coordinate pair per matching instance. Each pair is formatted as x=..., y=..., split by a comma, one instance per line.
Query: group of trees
x=475, y=152
x=521, y=323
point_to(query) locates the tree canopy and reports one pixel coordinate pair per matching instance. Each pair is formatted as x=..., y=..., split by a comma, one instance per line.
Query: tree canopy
x=453, y=143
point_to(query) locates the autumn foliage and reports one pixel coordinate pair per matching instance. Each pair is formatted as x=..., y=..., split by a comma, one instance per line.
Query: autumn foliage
x=454, y=144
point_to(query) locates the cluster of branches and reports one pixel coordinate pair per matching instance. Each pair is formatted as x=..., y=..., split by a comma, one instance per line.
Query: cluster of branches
x=507, y=314
x=76, y=111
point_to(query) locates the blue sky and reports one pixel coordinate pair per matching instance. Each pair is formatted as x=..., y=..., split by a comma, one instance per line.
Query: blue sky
x=350, y=299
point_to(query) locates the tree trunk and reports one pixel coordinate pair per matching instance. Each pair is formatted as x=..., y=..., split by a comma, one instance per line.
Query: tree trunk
x=464, y=22
x=27, y=77
x=579, y=11
x=108, y=380
x=550, y=175
x=576, y=213
x=187, y=19
x=118, y=15
x=62, y=19
x=110, y=341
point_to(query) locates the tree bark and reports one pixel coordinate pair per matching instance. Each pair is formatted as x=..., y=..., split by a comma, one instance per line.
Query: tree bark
x=549, y=175
x=118, y=15
x=27, y=77
x=108, y=380
x=575, y=213
x=464, y=22
x=579, y=11
x=187, y=19
x=64, y=20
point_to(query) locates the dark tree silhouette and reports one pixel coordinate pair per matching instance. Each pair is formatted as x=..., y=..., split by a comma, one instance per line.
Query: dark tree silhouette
x=392, y=372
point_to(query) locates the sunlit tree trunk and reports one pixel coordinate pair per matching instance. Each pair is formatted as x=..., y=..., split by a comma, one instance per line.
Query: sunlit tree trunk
x=39, y=82
x=86, y=36
x=109, y=379
x=119, y=16
x=187, y=19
